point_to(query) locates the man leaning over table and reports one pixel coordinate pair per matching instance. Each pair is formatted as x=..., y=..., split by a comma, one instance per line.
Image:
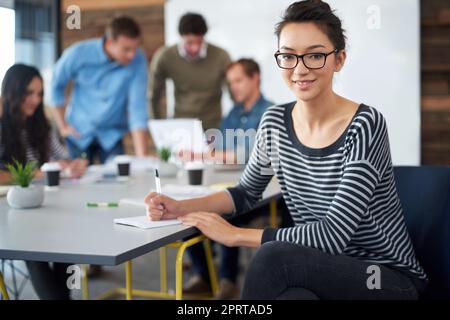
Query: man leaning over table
x=108, y=99
x=109, y=95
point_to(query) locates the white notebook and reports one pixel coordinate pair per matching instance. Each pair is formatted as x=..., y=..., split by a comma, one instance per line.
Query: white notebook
x=143, y=222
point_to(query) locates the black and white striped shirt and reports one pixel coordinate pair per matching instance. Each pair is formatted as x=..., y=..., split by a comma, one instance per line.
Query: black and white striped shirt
x=56, y=149
x=342, y=198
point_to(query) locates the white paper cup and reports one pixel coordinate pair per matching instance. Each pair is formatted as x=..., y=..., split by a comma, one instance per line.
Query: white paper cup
x=123, y=165
x=195, y=172
x=52, y=173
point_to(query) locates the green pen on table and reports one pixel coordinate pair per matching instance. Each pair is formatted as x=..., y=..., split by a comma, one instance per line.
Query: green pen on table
x=102, y=204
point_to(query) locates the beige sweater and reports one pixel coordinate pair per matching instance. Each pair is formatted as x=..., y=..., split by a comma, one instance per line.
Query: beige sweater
x=198, y=84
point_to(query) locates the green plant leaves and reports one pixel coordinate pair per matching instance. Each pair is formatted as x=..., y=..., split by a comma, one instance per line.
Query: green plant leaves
x=22, y=175
x=164, y=153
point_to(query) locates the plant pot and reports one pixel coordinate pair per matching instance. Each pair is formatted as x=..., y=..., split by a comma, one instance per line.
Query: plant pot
x=167, y=169
x=25, y=198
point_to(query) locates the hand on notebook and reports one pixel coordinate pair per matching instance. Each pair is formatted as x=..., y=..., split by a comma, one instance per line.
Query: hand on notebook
x=213, y=226
x=161, y=207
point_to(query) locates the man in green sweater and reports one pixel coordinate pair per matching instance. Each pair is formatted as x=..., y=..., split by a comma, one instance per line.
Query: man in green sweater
x=197, y=69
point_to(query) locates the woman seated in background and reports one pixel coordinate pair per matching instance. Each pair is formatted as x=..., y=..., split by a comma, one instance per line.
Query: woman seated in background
x=25, y=132
x=26, y=135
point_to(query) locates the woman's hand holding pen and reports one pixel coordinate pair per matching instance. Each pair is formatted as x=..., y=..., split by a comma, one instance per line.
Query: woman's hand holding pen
x=161, y=207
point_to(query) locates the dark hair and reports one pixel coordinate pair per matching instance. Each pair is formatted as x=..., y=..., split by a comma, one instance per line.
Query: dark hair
x=318, y=12
x=192, y=23
x=250, y=66
x=14, y=90
x=123, y=26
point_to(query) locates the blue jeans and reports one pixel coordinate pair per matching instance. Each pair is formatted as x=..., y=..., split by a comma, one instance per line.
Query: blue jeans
x=94, y=150
x=282, y=270
x=229, y=262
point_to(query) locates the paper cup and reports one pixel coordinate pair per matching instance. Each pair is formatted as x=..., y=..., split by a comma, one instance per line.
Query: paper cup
x=52, y=172
x=195, y=172
x=123, y=165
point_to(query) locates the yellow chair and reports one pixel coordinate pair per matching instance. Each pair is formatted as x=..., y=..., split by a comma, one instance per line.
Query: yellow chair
x=273, y=214
x=163, y=293
x=5, y=295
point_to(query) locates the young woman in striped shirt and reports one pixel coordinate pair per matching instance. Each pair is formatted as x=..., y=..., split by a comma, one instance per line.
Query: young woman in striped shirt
x=332, y=159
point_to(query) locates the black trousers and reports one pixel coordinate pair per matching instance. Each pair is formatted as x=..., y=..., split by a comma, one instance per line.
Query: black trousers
x=282, y=270
x=49, y=281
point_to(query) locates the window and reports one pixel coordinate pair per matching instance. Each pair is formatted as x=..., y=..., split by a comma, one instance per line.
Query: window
x=7, y=34
x=36, y=36
x=28, y=34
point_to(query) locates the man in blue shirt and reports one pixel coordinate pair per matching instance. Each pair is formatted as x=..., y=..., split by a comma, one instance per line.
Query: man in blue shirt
x=244, y=79
x=109, y=78
x=232, y=143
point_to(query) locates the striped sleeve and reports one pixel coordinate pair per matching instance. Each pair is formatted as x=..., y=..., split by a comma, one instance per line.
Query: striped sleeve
x=367, y=156
x=257, y=174
x=57, y=150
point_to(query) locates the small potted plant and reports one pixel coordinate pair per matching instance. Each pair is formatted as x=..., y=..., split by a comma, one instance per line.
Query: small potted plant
x=166, y=167
x=24, y=195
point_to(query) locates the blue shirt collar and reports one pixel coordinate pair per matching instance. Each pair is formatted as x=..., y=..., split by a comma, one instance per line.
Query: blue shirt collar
x=261, y=100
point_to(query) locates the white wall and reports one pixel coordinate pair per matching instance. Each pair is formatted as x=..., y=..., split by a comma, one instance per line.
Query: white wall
x=382, y=68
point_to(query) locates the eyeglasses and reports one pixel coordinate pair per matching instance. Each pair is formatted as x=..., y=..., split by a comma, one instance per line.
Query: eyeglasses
x=310, y=60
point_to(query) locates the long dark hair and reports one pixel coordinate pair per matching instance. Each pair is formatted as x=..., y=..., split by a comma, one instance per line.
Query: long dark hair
x=37, y=127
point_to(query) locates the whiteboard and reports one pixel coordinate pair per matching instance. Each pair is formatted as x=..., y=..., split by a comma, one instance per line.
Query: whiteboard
x=382, y=67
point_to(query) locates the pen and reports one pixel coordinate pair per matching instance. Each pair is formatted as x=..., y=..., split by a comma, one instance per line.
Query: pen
x=102, y=204
x=157, y=182
x=158, y=185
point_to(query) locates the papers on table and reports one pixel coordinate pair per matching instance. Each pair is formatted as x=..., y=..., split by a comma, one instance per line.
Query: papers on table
x=139, y=164
x=178, y=134
x=4, y=190
x=97, y=173
x=143, y=222
x=177, y=192
x=180, y=192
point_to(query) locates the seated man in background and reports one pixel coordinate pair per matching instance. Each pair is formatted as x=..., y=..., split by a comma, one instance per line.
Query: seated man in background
x=232, y=144
x=244, y=79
